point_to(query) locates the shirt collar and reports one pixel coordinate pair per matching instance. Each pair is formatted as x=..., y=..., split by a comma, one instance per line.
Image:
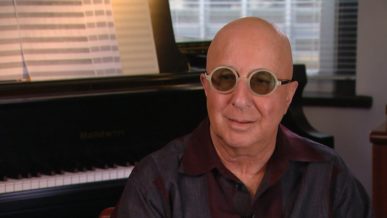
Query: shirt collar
x=290, y=147
x=296, y=148
x=200, y=155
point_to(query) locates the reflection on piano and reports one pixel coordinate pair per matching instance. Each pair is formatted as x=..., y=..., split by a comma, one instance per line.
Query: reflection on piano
x=67, y=147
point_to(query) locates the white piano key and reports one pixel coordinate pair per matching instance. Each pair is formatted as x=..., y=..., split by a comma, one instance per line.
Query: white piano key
x=75, y=178
x=9, y=186
x=59, y=180
x=43, y=183
x=90, y=176
x=66, y=178
x=2, y=187
x=113, y=174
x=105, y=175
x=120, y=173
x=34, y=182
x=18, y=185
x=51, y=181
x=82, y=178
x=26, y=185
x=98, y=175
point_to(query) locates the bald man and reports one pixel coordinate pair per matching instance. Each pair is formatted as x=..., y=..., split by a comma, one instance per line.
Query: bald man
x=241, y=162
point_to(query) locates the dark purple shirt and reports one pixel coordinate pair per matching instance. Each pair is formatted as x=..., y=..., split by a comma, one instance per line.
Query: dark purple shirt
x=187, y=179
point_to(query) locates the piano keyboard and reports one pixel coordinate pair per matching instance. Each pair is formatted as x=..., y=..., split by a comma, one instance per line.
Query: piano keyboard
x=66, y=178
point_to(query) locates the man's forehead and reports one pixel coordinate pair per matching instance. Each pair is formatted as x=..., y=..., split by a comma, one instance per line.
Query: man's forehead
x=246, y=28
x=251, y=44
x=238, y=35
x=246, y=53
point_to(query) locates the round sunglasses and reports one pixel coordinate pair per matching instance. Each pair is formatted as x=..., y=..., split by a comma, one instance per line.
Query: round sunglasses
x=260, y=81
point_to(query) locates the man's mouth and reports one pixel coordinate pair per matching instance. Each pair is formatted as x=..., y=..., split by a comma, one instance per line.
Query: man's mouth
x=240, y=123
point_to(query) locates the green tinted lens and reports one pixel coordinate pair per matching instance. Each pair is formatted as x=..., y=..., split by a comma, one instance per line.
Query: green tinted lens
x=223, y=79
x=262, y=82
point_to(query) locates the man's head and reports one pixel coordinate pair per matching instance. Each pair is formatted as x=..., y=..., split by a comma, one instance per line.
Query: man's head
x=241, y=118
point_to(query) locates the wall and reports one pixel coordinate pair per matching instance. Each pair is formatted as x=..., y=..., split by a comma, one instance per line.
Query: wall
x=351, y=127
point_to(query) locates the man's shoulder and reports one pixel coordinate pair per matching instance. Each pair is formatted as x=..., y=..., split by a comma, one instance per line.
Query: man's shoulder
x=171, y=153
x=318, y=158
x=303, y=148
x=164, y=161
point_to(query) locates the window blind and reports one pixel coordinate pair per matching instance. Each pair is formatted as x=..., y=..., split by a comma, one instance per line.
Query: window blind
x=322, y=33
x=70, y=39
x=11, y=66
x=57, y=39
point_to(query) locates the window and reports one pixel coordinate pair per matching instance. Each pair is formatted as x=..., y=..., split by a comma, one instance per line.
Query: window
x=66, y=39
x=322, y=33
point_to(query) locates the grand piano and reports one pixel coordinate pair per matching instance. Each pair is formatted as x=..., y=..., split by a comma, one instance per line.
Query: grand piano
x=67, y=147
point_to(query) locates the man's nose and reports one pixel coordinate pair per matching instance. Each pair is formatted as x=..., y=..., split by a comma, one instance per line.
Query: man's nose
x=242, y=98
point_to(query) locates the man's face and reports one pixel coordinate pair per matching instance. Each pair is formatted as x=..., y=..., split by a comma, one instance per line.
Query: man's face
x=241, y=119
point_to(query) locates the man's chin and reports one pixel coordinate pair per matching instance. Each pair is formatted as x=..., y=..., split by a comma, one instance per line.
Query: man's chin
x=238, y=141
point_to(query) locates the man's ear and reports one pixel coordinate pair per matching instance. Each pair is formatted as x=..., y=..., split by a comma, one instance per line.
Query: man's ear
x=205, y=83
x=292, y=87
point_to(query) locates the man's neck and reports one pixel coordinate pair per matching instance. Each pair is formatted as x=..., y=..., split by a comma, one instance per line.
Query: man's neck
x=246, y=164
